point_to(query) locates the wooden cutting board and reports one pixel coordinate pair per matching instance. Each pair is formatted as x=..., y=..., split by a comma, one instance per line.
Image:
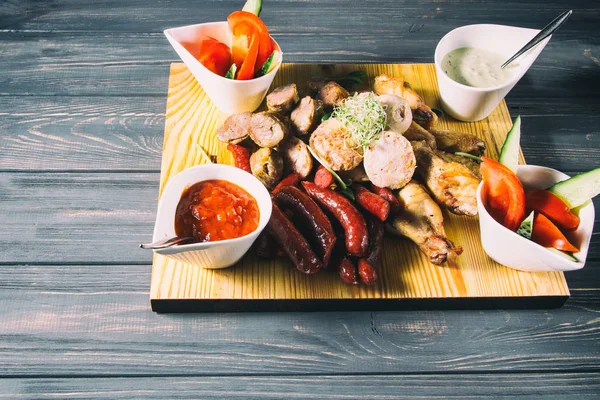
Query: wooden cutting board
x=407, y=279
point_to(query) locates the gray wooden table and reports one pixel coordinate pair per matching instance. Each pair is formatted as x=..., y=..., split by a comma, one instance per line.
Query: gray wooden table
x=82, y=98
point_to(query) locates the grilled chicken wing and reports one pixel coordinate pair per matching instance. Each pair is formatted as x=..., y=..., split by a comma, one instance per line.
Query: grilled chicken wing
x=451, y=183
x=420, y=220
x=421, y=112
x=453, y=141
x=416, y=132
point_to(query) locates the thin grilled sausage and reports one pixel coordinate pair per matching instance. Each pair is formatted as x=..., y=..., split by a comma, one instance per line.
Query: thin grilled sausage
x=354, y=224
x=264, y=246
x=323, y=178
x=290, y=180
x=366, y=272
x=348, y=272
x=374, y=204
x=376, y=233
x=312, y=216
x=292, y=242
x=241, y=156
x=388, y=195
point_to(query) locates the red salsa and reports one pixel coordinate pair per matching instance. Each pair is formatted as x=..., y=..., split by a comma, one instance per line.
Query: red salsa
x=216, y=210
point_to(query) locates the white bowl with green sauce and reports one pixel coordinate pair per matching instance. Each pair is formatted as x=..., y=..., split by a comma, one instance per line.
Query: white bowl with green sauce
x=467, y=62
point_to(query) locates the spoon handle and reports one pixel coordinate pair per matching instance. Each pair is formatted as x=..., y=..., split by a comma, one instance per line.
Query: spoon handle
x=161, y=244
x=544, y=33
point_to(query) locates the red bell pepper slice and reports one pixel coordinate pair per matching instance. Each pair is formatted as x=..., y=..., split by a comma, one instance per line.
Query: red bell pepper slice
x=247, y=69
x=552, y=207
x=505, y=196
x=244, y=27
x=215, y=56
x=545, y=233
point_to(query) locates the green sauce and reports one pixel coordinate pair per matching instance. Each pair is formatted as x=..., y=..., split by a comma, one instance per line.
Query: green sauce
x=477, y=68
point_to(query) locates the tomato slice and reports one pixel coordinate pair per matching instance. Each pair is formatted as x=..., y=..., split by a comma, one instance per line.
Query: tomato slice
x=552, y=207
x=244, y=26
x=247, y=70
x=504, y=192
x=215, y=56
x=545, y=233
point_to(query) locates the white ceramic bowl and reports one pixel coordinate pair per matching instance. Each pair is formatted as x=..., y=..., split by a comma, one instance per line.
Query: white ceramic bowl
x=510, y=249
x=230, y=96
x=467, y=103
x=219, y=254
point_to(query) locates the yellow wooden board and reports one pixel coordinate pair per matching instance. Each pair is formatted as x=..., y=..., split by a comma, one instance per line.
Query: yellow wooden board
x=407, y=279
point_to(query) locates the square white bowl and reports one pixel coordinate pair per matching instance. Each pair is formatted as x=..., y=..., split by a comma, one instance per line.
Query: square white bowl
x=212, y=255
x=514, y=251
x=230, y=96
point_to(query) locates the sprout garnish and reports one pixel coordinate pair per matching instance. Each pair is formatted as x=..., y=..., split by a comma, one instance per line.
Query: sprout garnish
x=364, y=118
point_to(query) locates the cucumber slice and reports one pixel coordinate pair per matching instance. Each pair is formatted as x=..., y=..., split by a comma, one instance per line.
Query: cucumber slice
x=269, y=64
x=509, y=155
x=526, y=227
x=579, y=189
x=253, y=6
x=231, y=73
x=566, y=255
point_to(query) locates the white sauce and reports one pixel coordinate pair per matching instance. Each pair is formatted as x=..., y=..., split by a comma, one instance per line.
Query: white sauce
x=476, y=67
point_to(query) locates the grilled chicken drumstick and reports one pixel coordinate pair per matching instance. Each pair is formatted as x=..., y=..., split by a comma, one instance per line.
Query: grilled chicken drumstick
x=420, y=220
x=451, y=183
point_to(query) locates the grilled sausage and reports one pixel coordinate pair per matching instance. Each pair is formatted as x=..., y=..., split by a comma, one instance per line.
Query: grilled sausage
x=267, y=165
x=376, y=233
x=332, y=94
x=387, y=195
x=235, y=129
x=329, y=142
x=307, y=115
x=296, y=156
x=290, y=180
x=264, y=246
x=267, y=129
x=373, y=203
x=354, y=224
x=390, y=161
x=348, y=272
x=241, y=156
x=312, y=217
x=366, y=272
x=283, y=99
x=292, y=242
x=323, y=178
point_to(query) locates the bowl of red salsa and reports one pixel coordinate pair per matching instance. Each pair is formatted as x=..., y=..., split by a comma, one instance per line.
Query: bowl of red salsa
x=222, y=207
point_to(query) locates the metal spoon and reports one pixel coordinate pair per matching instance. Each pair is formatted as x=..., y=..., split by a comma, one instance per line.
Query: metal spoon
x=544, y=33
x=162, y=244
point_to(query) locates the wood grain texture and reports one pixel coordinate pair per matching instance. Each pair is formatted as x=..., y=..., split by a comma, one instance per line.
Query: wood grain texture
x=82, y=321
x=552, y=386
x=192, y=119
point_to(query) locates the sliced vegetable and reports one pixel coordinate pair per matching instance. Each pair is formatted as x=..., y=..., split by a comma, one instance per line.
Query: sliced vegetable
x=253, y=6
x=247, y=68
x=269, y=65
x=244, y=27
x=545, y=233
x=509, y=155
x=526, y=226
x=552, y=207
x=231, y=72
x=505, y=194
x=579, y=189
x=215, y=56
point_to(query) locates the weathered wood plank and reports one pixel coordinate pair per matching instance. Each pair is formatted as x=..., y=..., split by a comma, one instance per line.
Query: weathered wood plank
x=125, y=64
x=425, y=17
x=532, y=386
x=90, y=217
x=96, y=320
